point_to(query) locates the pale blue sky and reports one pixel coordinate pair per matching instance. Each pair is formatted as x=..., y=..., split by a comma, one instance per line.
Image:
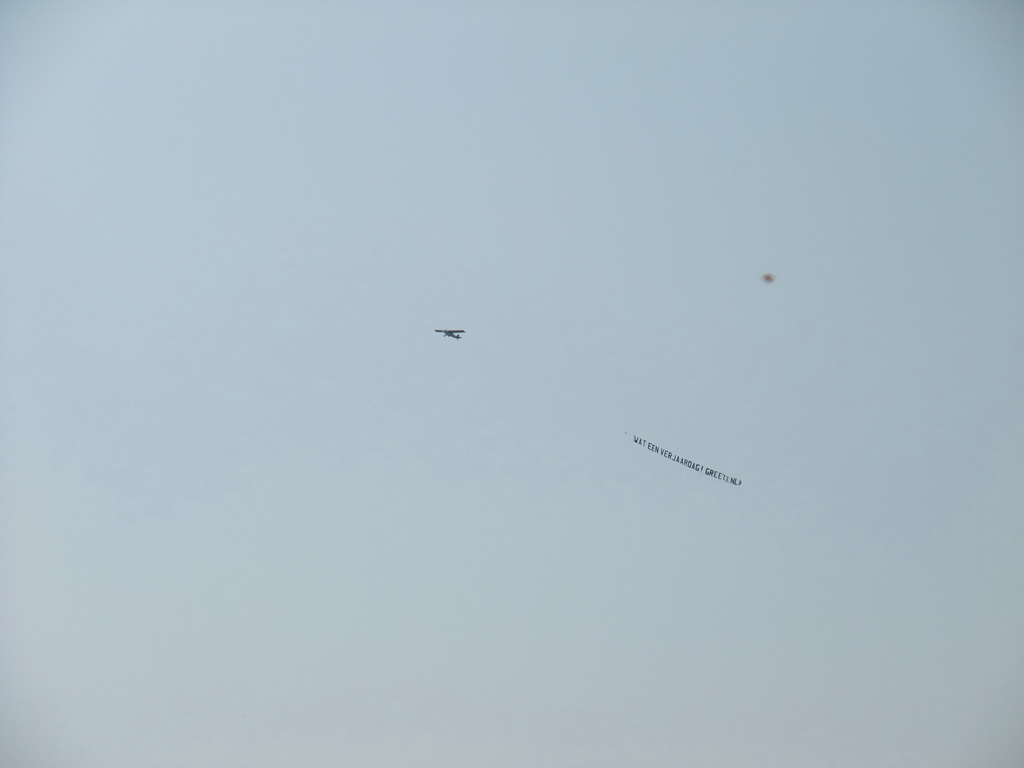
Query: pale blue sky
x=255, y=512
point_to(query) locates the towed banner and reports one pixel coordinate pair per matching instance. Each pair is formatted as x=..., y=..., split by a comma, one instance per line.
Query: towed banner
x=685, y=462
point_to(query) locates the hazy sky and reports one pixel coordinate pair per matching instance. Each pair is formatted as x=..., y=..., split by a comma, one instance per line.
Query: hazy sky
x=256, y=513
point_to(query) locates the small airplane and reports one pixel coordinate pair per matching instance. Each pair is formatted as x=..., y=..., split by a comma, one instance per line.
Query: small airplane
x=453, y=334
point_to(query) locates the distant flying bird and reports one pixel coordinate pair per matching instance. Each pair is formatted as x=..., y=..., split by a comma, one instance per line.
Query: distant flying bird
x=768, y=277
x=453, y=334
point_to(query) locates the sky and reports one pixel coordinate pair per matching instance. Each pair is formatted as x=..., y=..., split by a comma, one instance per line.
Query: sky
x=255, y=512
